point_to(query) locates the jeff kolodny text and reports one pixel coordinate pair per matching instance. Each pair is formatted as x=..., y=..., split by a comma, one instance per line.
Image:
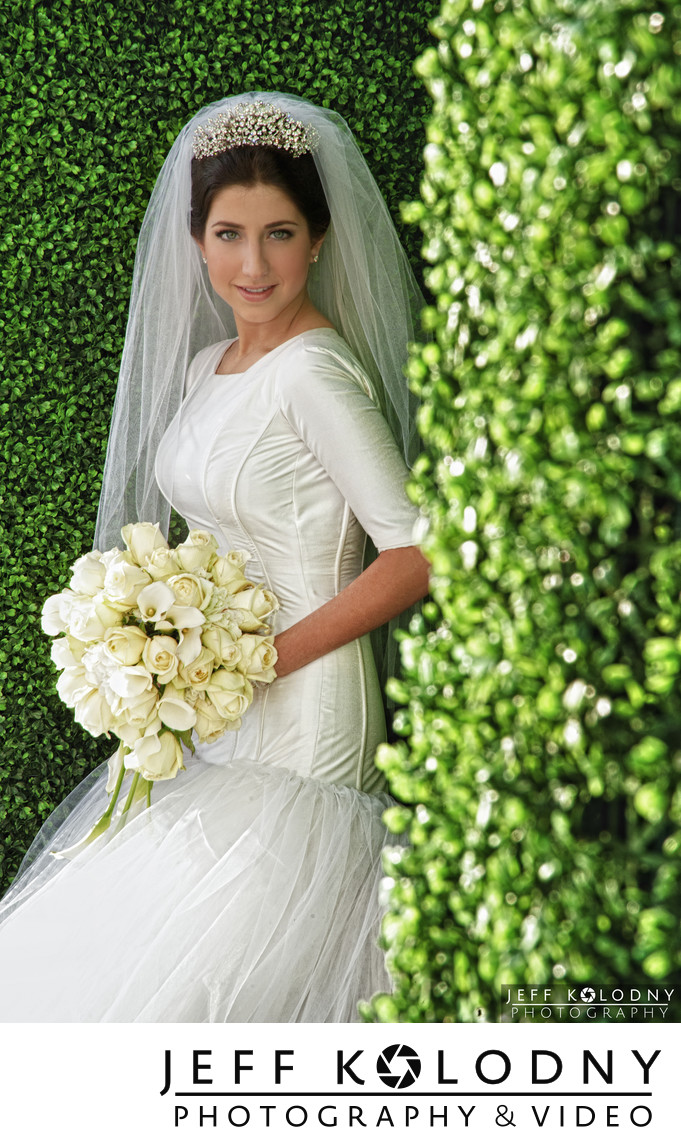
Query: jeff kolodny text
x=397, y=1086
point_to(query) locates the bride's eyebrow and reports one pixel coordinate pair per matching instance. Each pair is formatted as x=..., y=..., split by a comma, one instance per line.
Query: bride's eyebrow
x=237, y=226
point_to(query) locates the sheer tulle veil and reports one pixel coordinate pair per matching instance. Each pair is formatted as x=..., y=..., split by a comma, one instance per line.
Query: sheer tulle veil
x=363, y=283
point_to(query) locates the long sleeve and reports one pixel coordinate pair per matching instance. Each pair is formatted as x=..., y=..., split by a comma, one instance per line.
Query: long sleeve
x=327, y=404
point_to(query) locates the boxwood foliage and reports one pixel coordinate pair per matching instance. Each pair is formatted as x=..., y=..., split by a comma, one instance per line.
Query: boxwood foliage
x=93, y=95
x=541, y=693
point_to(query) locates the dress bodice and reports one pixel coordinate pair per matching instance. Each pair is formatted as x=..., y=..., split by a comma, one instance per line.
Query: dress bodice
x=292, y=461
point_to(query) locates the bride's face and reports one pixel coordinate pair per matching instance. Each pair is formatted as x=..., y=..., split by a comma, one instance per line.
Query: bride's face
x=258, y=250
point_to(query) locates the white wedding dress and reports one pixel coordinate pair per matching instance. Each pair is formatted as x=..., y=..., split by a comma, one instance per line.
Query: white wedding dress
x=249, y=890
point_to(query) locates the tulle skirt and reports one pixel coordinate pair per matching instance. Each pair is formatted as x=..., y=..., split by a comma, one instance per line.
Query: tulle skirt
x=245, y=893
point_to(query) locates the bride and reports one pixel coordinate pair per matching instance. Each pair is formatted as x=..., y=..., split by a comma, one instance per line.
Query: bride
x=262, y=396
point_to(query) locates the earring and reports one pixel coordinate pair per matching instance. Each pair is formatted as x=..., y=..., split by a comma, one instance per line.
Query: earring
x=204, y=258
x=314, y=258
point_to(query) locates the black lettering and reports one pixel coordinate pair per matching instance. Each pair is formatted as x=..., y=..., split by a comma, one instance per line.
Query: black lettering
x=166, y=1083
x=584, y=1123
x=212, y=1115
x=296, y=1108
x=536, y=1053
x=646, y=1065
x=198, y=1066
x=605, y=1073
x=489, y=1079
x=441, y=1078
x=278, y=1066
x=238, y=1066
x=344, y=1066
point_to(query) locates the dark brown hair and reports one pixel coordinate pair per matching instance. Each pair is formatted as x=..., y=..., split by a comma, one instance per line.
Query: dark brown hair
x=296, y=176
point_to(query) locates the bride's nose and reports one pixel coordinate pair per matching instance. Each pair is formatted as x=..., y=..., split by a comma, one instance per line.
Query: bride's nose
x=254, y=260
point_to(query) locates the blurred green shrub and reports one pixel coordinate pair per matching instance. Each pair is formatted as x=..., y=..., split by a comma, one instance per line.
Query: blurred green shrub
x=541, y=695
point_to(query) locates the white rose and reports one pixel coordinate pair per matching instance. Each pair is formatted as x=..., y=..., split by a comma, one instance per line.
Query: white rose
x=62, y=655
x=99, y=665
x=251, y=607
x=88, y=574
x=258, y=658
x=202, y=538
x=162, y=563
x=123, y=583
x=84, y=622
x=154, y=601
x=130, y=731
x=230, y=574
x=130, y=681
x=110, y=556
x=190, y=590
x=160, y=658
x=141, y=708
x=73, y=685
x=209, y=724
x=142, y=538
x=198, y=672
x=108, y=615
x=197, y=551
x=56, y=611
x=174, y=711
x=238, y=557
x=157, y=757
x=230, y=693
x=126, y=644
x=93, y=713
x=222, y=645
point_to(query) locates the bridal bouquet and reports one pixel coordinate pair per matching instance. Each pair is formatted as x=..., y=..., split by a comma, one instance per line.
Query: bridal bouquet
x=158, y=642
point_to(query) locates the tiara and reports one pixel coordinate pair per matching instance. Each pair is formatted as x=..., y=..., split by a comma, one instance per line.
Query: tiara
x=256, y=125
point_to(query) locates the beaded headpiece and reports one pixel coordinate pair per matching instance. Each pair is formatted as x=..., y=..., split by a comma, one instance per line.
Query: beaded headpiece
x=257, y=124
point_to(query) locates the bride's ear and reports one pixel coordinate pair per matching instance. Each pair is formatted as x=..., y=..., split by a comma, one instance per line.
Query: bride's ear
x=315, y=249
x=201, y=249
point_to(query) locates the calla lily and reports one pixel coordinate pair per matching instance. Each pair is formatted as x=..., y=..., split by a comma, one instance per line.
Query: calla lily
x=190, y=646
x=154, y=601
x=174, y=711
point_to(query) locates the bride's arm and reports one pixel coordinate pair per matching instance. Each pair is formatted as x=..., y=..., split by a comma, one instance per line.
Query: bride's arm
x=394, y=581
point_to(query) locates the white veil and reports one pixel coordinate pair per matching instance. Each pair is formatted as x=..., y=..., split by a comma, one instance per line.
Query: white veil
x=363, y=283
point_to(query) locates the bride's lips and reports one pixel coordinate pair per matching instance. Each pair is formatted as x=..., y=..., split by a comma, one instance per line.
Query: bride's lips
x=254, y=294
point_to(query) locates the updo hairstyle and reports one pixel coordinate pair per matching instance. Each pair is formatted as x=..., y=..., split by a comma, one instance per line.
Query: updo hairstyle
x=247, y=166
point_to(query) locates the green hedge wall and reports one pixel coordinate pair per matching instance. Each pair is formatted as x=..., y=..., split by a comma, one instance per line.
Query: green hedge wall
x=541, y=690
x=93, y=96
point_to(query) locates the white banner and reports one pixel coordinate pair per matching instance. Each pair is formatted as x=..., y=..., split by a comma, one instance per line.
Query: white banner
x=77, y=1084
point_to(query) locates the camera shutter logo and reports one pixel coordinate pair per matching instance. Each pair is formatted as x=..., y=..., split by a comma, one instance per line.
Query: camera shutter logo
x=588, y=995
x=398, y=1066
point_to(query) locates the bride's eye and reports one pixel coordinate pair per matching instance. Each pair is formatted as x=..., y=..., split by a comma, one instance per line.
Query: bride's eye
x=228, y=234
x=281, y=233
